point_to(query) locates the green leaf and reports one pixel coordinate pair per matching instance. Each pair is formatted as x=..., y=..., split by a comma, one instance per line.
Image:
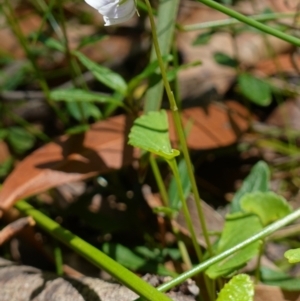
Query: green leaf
x=78, y=129
x=255, y=89
x=131, y=259
x=293, y=255
x=279, y=279
x=20, y=139
x=87, y=40
x=6, y=166
x=86, y=109
x=267, y=205
x=166, y=211
x=174, y=198
x=224, y=59
x=235, y=232
x=147, y=72
x=151, y=133
x=239, y=288
x=78, y=95
x=203, y=38
x=103, y=74
x=257, y=180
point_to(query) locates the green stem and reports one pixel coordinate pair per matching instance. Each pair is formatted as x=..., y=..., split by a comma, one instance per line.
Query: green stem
x=188, y=220
x=231, y=21
x=58, y=259
x=257, y=271
x=203, y=266
x=179, y=129
x=159, y=181
x=164, y=195
x=251, y=22
x=92, y=254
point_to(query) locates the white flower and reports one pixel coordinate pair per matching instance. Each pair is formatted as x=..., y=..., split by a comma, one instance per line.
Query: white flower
x=114, y=11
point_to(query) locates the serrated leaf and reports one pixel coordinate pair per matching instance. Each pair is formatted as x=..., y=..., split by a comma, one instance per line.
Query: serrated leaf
x=103, y=74
x=231, y=236
x=293, y=255
x=269, y=206
x=151, y=133
x=257, y=180
x=239, y=288
x=255, y=89
x=78, y=95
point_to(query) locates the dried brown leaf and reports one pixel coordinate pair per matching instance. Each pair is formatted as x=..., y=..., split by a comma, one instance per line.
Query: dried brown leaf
x=104, y=148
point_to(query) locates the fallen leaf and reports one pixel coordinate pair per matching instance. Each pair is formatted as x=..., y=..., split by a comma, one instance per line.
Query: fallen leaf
x=104, y=148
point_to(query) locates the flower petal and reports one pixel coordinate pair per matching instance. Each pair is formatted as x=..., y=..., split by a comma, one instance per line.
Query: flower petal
x=113, y=11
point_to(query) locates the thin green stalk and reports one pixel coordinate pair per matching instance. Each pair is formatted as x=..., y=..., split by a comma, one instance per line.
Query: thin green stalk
x=251, y=22
x=58, y=259
x=179, y=129
x=231, y=21
x=257, y=270
x=92, y=254
x=166, y=19
x=203, y=266
x=164, y=195
x=188, y=220
x=159, y=181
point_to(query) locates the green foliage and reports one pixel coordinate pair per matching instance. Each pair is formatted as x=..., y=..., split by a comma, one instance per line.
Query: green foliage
x=150, y=132
x=293, y=255
x=203, y=38
x=236, y=230
x=257, y=180
x=255, y=89
x=78, y=95
x=138, y=259
x=279, y=279
x=19, y=139
x=104, y=75
x=224, y=59
x=83, y=111
x=267, y=205
x=239, y=288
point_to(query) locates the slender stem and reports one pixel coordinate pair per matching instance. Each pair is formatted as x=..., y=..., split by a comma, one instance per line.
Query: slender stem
x=232, y=21
x=251, y=22
x=203, y=266
x=164, y=195
x=159, y=181
x=179, y=129
x=188, y=220
x=92, y=254
x=257, y=271
x=58, y=259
